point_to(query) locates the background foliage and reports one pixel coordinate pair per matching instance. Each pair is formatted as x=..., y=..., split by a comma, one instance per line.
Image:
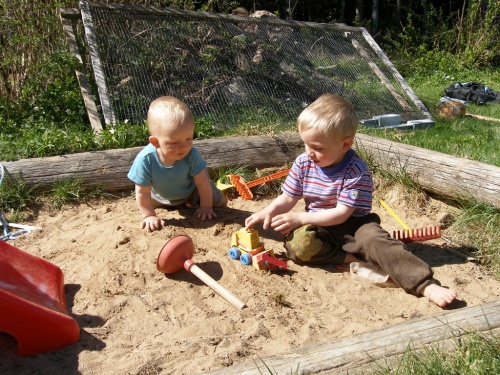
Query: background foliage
x=42, y=112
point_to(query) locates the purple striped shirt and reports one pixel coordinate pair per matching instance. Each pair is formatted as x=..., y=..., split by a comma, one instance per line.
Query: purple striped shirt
x=349, y=183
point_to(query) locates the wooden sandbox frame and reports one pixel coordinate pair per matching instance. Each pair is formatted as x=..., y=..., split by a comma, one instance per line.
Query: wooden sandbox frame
x=441, y=174
x=447, y=176
x=385, y=346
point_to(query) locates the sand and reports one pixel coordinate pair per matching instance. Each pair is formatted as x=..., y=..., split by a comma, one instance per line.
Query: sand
x=136, y=320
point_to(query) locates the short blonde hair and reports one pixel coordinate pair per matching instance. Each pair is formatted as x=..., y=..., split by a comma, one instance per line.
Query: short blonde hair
x=331, y=115
x=167, y=111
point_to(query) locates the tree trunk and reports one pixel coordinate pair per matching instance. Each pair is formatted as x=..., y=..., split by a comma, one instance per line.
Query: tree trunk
x=375, y=17
x=359, y=11
x=398, y=14
x=342, y=11
x=444, y=175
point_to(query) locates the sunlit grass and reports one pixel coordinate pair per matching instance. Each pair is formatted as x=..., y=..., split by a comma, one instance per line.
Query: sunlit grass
x=463, y=137
x=473, y=355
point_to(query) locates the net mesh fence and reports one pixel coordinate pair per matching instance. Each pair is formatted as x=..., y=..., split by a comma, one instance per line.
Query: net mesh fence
x=232, y=69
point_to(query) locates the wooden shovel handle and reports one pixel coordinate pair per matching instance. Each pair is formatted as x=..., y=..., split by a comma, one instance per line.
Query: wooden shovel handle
x=223, y=292
x=479, y=117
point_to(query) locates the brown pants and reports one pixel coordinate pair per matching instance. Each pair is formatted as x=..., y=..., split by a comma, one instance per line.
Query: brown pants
x=365, y=238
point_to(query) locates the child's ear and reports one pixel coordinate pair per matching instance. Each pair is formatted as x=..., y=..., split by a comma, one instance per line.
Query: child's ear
x=154, y=141
x=347, y=144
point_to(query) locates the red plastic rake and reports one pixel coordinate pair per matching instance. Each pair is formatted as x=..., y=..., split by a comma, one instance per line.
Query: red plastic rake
x=243, y=188
x=418, y=234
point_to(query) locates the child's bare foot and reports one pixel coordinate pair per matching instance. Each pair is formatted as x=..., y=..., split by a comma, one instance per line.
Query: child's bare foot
x=439, y=295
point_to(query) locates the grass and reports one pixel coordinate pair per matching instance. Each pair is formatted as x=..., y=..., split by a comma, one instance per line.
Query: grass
x=465, y=137
x=477, y=225
x=473, y=354
x=72, y=191
x=16, y=200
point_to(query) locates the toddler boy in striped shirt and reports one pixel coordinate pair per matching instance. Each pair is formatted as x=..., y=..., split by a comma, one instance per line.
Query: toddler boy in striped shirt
x=336, y=185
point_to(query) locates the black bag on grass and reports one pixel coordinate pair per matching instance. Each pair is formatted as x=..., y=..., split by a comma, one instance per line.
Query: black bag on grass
x=472, y=92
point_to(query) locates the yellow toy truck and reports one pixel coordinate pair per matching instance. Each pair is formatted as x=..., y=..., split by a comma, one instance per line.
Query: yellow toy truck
x=246, y=246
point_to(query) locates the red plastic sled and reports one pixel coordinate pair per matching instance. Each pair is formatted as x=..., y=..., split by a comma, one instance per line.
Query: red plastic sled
x=32, y=303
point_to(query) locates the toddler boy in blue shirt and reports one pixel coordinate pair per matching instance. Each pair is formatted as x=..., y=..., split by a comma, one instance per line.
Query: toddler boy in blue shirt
x=169, y=171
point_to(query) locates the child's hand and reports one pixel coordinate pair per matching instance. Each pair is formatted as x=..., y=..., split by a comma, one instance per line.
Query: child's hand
x=285, y=223
x=257, y=218
x=152, y=223
x=204, y=213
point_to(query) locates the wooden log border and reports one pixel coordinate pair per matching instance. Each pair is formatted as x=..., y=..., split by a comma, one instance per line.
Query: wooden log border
x=384, y=346
x=109, y=168
x=444, y=175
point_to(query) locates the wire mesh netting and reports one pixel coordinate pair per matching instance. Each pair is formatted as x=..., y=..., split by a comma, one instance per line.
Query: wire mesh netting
x=232, y=69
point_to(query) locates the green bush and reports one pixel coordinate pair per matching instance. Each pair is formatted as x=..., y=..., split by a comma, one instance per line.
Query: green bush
x=448, y=43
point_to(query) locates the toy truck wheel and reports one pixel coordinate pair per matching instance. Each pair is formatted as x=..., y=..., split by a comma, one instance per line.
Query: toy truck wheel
x=246, y=259
x=234, y=253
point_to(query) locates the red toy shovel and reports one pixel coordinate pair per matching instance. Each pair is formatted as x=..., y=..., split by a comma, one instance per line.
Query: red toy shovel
x=177, y=253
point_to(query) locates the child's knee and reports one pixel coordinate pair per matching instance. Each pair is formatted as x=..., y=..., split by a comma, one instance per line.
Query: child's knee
x=219, y=199
x=305, y=246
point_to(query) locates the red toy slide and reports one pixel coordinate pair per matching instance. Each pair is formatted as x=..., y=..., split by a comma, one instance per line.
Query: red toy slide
x=32, y=303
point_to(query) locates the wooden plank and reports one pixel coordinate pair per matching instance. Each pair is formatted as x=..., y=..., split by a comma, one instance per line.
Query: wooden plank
x=107, y=108
x=66, y=17
x=144, y=9
x=376, y=70
x=109, y=168
x=357, y=354
x=442, y=174
x=420, y=105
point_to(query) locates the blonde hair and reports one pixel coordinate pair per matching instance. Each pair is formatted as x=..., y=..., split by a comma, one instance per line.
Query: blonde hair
x=167, y=111
x=331, y=115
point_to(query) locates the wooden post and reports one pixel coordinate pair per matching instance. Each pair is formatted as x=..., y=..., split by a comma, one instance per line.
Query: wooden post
x=376, y=70
x=107, y=108
x=67, y=16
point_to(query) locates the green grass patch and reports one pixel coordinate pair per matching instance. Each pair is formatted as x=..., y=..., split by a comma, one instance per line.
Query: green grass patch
x=73, y=191
x=474, y=354
x=463, y=137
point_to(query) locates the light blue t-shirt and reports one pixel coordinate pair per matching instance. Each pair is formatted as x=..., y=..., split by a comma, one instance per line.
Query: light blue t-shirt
x=170, y=185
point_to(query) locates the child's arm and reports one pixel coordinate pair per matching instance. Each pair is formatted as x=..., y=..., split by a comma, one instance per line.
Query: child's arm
x=280, y=205
x=204, y=187
x=287, y=222
x=150, y=221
